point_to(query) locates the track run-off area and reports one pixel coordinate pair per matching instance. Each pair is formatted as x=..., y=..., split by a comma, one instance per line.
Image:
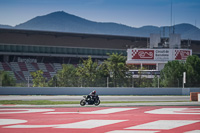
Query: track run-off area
x=136, y=119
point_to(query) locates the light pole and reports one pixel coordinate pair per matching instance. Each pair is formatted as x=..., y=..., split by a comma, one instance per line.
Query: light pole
x=28, y=81
x=133, y=81
x=184, y=78
x=107, y=82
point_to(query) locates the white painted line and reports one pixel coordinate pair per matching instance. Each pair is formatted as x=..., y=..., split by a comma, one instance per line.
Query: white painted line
x=164, y=124
x=88, y=124
x=103, y=111
x=194, y=131
x=131, y=131
x=17, y=111
x=11, y=121
x=48, y=113
x=108, y=111
x=189, y=111
x=30, y=126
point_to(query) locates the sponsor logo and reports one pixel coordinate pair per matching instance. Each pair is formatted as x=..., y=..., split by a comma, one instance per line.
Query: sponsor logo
x=142, y=54
x=181, y=54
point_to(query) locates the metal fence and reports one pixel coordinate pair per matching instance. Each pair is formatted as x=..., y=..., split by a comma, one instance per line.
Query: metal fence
x=107, y=82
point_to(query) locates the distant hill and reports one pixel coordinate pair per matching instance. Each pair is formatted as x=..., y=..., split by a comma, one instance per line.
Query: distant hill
x=6, y=26
x=64, y=22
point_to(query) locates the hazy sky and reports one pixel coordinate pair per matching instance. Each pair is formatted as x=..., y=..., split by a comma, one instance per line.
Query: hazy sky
x=135, y=13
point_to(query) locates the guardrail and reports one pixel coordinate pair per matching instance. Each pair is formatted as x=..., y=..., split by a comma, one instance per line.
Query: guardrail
x=100, y=91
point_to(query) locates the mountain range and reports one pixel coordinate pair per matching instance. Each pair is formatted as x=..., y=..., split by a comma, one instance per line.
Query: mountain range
x=63, y=22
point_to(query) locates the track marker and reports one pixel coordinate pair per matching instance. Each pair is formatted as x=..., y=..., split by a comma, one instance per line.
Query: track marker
x=11, y=121
x=17, y=111
x=164, y=124
x=103, y=111
x=131, y=131
x=194, y=131
x=190, y=111
x=88, y=124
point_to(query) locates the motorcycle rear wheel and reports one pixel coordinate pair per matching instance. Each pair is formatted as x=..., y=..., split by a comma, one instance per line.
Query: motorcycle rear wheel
x=82, y=102
x=97, y=102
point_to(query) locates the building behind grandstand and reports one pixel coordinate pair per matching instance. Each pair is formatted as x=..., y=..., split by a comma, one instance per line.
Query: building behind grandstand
x=152, y=60
x=25, y=51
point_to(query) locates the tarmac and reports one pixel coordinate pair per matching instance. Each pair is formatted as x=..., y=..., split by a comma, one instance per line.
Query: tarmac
x=107, y=105
x=154, y=101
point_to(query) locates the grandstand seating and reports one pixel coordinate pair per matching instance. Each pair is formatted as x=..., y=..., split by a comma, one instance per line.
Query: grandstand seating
x=27, y=75
x=1, y=67
x=6, y=67
x=35, y=65
x=30, y=67
x=21, y=75
x=57, y=66
x=16, y=76
x=42, y=67
x=15, y=66
x=22, y=66
x=22, y=71
x=49, y=67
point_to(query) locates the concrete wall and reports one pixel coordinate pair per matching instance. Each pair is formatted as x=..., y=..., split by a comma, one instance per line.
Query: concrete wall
x=100, y=91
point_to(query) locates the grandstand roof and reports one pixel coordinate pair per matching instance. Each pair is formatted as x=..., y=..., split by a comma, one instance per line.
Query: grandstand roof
x=33, y=37
x=80, y=40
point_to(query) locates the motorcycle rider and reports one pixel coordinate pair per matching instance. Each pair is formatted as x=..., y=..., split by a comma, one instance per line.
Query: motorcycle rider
x=91, y=95
x=90, y=99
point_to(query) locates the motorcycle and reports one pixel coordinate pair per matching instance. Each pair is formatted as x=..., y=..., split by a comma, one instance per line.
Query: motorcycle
x=90, y=101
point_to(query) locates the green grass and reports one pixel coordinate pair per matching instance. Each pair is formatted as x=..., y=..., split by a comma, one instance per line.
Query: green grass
x=37, y=102
x=47, y=102
x=139, y=101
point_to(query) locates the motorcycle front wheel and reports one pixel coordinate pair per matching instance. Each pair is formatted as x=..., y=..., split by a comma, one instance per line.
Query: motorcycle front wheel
x=97, y=102
x=82, y=102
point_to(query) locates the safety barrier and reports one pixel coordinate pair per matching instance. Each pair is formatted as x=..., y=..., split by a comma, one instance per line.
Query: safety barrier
x=100, y=91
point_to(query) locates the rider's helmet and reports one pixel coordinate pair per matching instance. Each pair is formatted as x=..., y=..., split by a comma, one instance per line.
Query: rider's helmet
x=94, y=92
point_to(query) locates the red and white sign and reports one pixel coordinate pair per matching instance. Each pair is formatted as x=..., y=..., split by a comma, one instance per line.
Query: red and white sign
x=181, y=54
x=158, y=54
x=143, y=54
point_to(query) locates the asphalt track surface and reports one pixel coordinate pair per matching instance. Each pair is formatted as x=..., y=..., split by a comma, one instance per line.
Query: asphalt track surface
x=137, y=119
x=103, y=98
x=160, y=116
x=157, y=100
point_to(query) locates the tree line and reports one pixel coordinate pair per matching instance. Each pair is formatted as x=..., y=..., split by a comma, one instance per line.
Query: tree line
x=114, y=72
x=173, y=72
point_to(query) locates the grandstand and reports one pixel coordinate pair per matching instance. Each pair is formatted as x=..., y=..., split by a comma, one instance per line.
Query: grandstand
x=25, y=51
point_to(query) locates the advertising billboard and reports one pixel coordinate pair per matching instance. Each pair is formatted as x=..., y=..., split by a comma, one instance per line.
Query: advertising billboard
x=182, y=54
x=163, y=54
x=158, y=54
